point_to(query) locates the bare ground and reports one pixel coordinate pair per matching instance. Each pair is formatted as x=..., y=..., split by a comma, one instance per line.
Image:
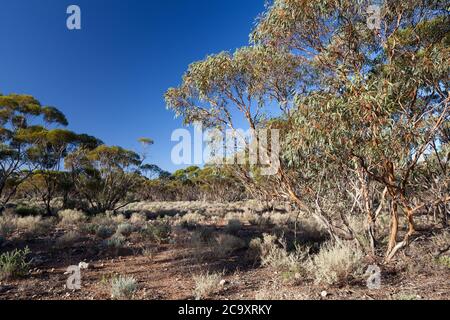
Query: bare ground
x=168, y=275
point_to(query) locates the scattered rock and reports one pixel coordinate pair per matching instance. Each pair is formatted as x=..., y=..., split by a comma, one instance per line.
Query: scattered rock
x=324, y=294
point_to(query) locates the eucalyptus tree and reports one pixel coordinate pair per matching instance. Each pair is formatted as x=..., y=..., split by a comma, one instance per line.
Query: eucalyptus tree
x=380, y=107
x=226, y=88
x=22, y=121
x=49, y=179
x=363, y=109
x=251, y=85
x=105, y=177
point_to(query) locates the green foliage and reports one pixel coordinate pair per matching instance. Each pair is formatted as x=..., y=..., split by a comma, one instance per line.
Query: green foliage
x=444, y=261
x=20, y=137
x=103, y=174
x=336, y=263
x=14, y=264
x=125, y=229
x=114, y=244
x=25, y=211
x=158, y=231
x=104, y=232
x=354, y=106
x=123, y=288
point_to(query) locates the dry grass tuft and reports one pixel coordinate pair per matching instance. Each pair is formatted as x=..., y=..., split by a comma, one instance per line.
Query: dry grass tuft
x=336, y=263
x=206, y=285
x=69, y=218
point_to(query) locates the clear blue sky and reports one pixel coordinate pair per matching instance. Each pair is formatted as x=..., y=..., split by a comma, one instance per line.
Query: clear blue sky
x=109, y=78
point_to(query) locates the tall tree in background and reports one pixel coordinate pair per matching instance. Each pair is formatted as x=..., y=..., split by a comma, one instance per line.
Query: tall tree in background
x=49, y=180
x=105, y=177
x=22, y=121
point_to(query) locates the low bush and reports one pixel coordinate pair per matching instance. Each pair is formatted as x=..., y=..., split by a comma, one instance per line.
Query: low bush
x=206, y=285
x=138, y=218
x=336, y=263
x=114, y=244
x=125, y=229
x=71, y=217
x=226, y=244
x=233, y=226
x=25, y=211
x=104, y=232
x=272, y=252
x=159, y=231
x=67, y=240
x=444, y=261
x=89, y=228
x=104, y=220
x=8, y=224
x=14, y=264
x=33, y=227
x=203, y=235
x=123, y=288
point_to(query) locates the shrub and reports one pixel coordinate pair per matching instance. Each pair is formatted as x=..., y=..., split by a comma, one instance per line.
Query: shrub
x=8, y=225
x=192, y=218
x=34, y=226
x=71, y=217
x=104, y=232
x=261, y=249
x=123, y=287
x=335, y=263
x=444, y=261
x=226, y=244
x=89, y=228
x=104, y=220
x=118, y=219
x=14, y=264
x=138, y=218
x=206, y=285
x=114, y=244
x=261, y=221
x=203, y=234
x=67, y=240
x=158, y=231
x=24, y=211
x=273, y=253
x=125, y=229
x=233, y=226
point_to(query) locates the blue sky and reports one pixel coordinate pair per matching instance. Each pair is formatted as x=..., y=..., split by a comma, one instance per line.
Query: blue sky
x=109, y=78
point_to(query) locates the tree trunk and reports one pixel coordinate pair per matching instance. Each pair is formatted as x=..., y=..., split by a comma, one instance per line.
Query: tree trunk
x=394, y=227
